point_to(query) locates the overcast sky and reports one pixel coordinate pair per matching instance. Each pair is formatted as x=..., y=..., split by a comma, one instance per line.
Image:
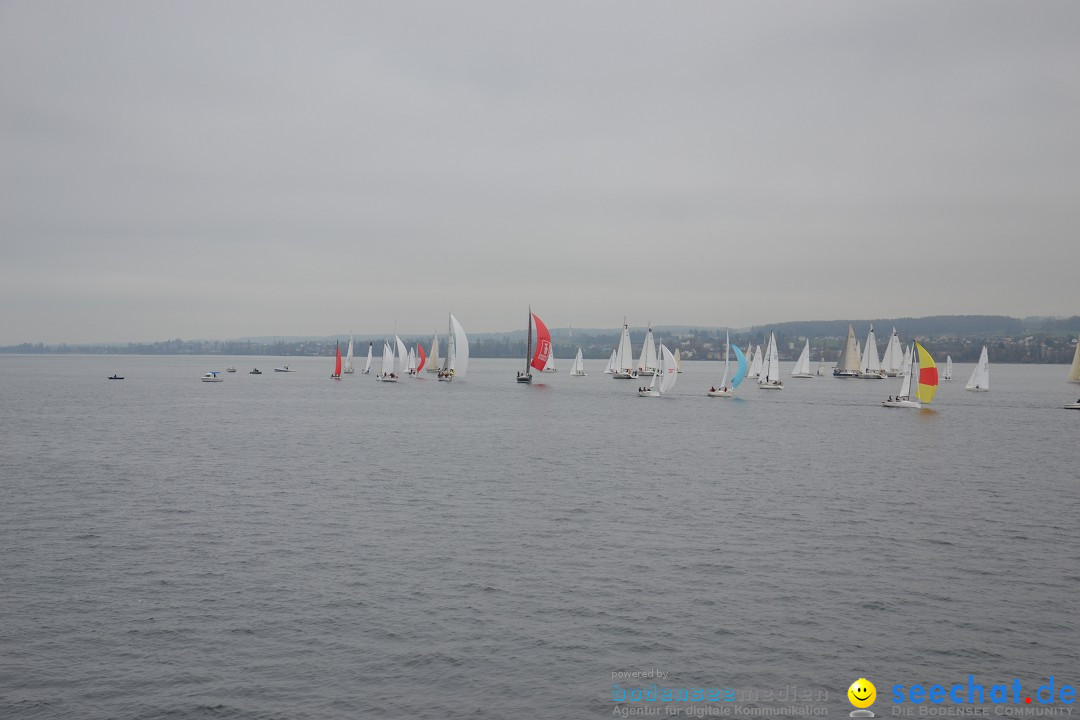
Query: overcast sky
x=225, y=169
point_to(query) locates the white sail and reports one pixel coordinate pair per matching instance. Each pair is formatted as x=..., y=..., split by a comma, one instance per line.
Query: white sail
x=678, y=360
x=980, y=376
x=387, y=359
x=669, y=372
x=412, y=361
x=461, y=349
x=905, y=370
x=770, y=372
x=847, y=365
x=348, y=358
x=367, y=365
x=802, y=365
x=433, y=356
x=948, y=367
x=579, y=364
x=402, y=357
x=727, y=360
x=1074, y=371
x=549, y=366
x=647, y=361
x=611, y=363
x=624, y=356
x=870, y=363
x=892, y=362
x=756, y=363
x=905, y=386
x=821, y=364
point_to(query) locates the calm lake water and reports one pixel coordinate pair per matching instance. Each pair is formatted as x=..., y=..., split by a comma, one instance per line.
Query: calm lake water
x=288, y=546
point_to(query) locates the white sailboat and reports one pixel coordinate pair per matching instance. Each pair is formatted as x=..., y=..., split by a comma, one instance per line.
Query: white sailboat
x=549, y=366
x=387, y=373
x=821, y=364
x=980, y=376
x=648, y=362
x=610, y=369
x=348, y=367
x=870, y=367
x=668, y=373
x=1074, y=371
x=847, y=362
x=624, y=357
x=728, y=384
x=678, y=360
x=433, y=356
x=802, y=365
x=948, y=368
x=769, y=378
x=456, y=363
x=411, y=368
x=367, y=365
x=756, y=362
x=579, y=365
x=892, y=362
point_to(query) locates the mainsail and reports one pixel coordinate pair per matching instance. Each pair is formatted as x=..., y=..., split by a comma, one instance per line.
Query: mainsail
x=980, y=376
x=461, y=349
x=1074, y=371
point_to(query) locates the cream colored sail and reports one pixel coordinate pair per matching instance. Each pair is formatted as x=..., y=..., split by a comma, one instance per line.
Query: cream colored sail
x=1074, y=371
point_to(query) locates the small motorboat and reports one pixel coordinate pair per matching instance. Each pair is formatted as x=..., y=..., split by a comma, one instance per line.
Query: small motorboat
x=212, y=376
x=230, y=369
x=255, y=371
x=115, y=377
x=284, y=368
x=1073, y=406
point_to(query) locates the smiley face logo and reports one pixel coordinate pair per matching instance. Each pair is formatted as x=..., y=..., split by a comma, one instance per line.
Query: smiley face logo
x=862, y=693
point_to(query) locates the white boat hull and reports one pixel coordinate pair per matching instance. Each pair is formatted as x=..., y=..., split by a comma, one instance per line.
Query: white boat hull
x=550, y=370
x=648, y=393
x=216, y=379
x=721, y=393
x=872, y=375
x=771, y=386
x=619, y=375
x=978, y=389
x=524, y=378
x=1072, y=406
x=577, y=374
x=803, y=375
x=347, y=371
x=386, y=378
x=901, y=404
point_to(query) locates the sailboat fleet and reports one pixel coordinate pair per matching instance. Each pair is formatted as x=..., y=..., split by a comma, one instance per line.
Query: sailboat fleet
x=916, y=367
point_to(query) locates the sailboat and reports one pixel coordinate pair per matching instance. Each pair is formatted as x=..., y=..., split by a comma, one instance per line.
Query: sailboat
x=948, y=368
x=755, y=362
x=535, y=360
x=678, y=360
x=624, y=357
x=579, y=365
x=337, y=363
x=367, y=365
x=923, y=380
x=847, y=366
x=549, y=366
x=648, y=362
x=610, y=369
x=726, y=391
x=433, y=356
x=892, y=362
x=348, y=369
x=802, y=365
x=456, y=363
x=411, y=366
x=392, y=366
x=771, y=378
x=821, y=364
x=421, y=359
x=1074, y=371
x=870, y=367
x=980, y=376
x=668, y=374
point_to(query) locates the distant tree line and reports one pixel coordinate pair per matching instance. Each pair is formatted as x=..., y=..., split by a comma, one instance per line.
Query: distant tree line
x=1010, y=340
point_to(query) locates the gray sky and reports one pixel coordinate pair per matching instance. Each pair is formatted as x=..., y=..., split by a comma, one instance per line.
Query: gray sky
x=220, y=169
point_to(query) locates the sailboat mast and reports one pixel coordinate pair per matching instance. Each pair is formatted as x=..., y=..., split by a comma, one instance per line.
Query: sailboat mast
x=528, y=343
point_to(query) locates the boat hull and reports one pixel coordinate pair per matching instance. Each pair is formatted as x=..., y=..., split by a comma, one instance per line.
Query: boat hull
x=622, y=375
x=803, y=375
x=771, y=386
x=845, y=373
x=524, y=379
x=978, y=389
x=871, y=376
x=721, y=393
x=1073, y=406
x=386, y=378
x=901, y=404
x=577, y=374
x=648, y=393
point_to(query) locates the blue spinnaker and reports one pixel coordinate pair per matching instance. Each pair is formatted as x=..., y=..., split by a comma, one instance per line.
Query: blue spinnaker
x=741, y=372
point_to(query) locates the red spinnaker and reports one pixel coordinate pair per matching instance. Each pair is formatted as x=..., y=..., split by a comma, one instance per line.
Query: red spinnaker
x=337, y=364
x=423, y=357
x=543, y=344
